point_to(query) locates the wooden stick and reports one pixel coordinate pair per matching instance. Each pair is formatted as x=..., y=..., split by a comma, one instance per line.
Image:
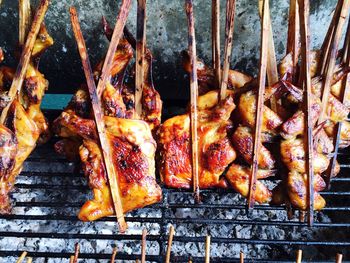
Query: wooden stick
x=293, y=34
x=21, y=258
x=25, y=16
x=143, y=244
x=230, y=17
x=98, y=116
x=339, y=258
x=260, y=104
x=194, y=97
x=299, y=256
x=76, y=253
x=328, y=39
x=216, y=41
x=207, y=249
x=344, y=91
x=272, y=73
x=331, y=59
x=140, y=51
x=71, y=259
x=114, y=254
x=117, y=33
x=241, y=257
x=306, y=78
x=170, y=242
x=29, y=260
x=22, y=66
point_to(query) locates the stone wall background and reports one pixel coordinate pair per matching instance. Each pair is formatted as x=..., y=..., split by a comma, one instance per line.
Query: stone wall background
x=166, y=36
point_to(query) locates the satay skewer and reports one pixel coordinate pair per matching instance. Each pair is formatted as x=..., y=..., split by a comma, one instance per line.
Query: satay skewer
x=345, y=90
x=143, y=246
x=339, y=258
x=25, y=16
x=306, y=85
x=23, y=63
x=260, y=104
x=216, y=41
x=293, y=34
x=299, y=256
x=117, y=33
x=98, y=116
x=140, y=51
x=170, y=242
x=230, y=17
x=22, y=257
x=331, y=58
x=207, y=249
x=194, y=97
x=241, y=257
x=271, y=68
x=114, y=254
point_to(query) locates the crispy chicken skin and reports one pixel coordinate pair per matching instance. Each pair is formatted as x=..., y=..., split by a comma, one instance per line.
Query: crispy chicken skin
x=25, y=123
x=242, y=140
x=205, y=74
x=216, y=151
x=297, y=191
x=133, y=157
x=238, y=177
x=247, y=110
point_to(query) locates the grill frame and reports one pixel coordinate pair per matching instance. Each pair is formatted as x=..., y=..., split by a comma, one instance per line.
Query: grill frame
x=166, y=209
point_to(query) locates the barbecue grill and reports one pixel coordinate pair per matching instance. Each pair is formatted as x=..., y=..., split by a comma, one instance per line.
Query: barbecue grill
x=51, y=190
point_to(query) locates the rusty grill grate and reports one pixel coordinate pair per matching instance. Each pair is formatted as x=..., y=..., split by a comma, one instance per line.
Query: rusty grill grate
x=49, y=193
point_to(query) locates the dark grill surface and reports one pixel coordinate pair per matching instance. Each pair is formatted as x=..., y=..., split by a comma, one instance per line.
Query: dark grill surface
x=49, y=193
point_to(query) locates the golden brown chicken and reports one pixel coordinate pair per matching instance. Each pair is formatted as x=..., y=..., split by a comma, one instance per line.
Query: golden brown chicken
x=215, y=149
x=24, y=118
x=131, y=141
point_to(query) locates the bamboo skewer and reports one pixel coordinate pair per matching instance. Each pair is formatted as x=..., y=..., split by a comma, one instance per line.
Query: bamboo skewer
x=21, y=258
x=29, y=260
x=299, y=256
x=76, y=253
x=140, y=51
x=339, y=258
x=306, y=84
x=331, y=59
x=143, y=246
x=293, y=34
x=24, y=20
x=271, y=68
x=170, y=242
x=194, y=97
x=117, y=33
x=98, y=116
x=241, y=257
x=345, y=90
x=114, y=254
x=207, y=249
x=230, y=17
x=260, y=104
x=216, y=41
x=22, y=66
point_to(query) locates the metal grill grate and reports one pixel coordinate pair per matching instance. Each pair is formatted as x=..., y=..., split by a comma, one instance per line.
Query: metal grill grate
x=50, y=192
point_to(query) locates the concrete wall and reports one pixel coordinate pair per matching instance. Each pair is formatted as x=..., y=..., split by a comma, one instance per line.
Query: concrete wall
x=166, y=34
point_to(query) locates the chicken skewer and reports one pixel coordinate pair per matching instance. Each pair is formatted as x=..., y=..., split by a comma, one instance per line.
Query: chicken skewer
x=96, y=105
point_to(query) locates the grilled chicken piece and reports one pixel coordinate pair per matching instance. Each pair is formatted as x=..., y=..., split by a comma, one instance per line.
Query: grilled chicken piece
x=247, y=110
x=344, y=132
x=24, y=119
x=238, y=177
x=297, y=192
x=242, y=140
x=206, y=78
x=293, y=156
x=216, y=151
x=133, y=158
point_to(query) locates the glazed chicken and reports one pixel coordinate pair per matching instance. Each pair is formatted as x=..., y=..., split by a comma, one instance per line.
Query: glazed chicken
x=131, y=140
x=215, y=149
x=25, y=124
